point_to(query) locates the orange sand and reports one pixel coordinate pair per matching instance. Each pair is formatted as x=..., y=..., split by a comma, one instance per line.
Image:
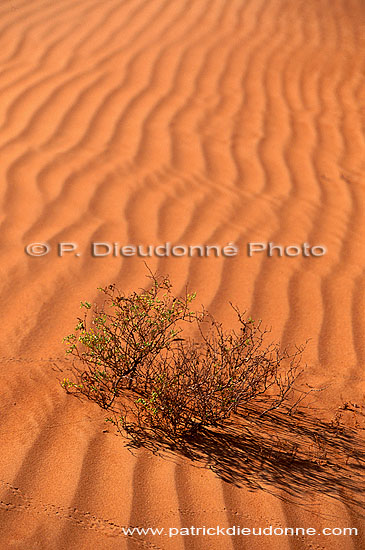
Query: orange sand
x=193, y=122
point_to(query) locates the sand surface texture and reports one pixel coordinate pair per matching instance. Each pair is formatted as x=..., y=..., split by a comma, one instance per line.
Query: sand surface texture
x=190, y=122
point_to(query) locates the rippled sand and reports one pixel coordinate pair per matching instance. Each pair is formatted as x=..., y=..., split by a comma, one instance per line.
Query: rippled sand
x=193, y=122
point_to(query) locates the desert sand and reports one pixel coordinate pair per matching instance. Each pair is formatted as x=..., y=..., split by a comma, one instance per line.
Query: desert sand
x=194, y=122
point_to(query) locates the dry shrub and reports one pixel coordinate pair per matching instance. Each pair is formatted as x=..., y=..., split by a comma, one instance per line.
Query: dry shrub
x=131, y=359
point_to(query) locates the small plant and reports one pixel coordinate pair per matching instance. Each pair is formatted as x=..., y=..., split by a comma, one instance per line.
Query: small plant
x=132, y=360
x=125, y=336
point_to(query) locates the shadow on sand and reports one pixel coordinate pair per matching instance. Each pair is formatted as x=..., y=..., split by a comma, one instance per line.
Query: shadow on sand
x=287, y=455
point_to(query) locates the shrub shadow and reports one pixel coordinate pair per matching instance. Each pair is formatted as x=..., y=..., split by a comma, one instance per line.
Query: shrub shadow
x=287, y=455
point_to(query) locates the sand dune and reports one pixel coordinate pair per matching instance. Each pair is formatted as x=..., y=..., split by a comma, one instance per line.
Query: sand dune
x=194, y=122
